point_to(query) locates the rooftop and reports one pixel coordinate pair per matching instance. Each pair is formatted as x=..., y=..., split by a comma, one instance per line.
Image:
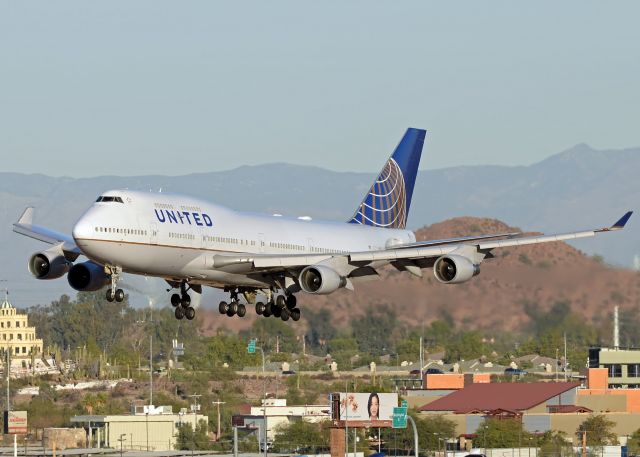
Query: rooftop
x=515, y=396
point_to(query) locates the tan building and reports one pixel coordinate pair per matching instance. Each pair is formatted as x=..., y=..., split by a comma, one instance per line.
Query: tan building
x=149, y=428
x=16, y=336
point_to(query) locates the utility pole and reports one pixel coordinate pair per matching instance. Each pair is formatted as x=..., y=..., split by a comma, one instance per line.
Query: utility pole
x=218, y=403
x=151, y=370
x=564, y=365
x=421, y=365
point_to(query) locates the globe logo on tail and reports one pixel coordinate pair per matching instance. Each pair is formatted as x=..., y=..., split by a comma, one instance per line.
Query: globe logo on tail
x=386, y=203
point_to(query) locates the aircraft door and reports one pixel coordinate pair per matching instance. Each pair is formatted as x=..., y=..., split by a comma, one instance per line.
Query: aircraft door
x=153, y=233
x=261, y=243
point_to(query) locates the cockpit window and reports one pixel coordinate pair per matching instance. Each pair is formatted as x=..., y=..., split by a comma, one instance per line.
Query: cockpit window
x=103, y=198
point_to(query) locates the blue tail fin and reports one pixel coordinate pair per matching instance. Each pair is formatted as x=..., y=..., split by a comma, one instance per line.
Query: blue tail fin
x=387, y=202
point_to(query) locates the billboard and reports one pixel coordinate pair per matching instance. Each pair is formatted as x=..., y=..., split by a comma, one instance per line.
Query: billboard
x=15, y=422
x=367, y=406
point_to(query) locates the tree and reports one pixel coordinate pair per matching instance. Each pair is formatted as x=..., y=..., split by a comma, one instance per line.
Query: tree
x=321, y=328
x=466, y=345
x=553, y=443
x=374, y=329
x=599, y=431
x=634, y=443
x=432, y=431
x=501, y=433
x=301, y=434
x=190, y=440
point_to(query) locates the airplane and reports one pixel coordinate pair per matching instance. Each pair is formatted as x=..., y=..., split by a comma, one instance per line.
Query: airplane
x=191, y=243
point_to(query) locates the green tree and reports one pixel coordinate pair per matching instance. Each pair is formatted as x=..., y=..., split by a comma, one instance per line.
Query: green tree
x=433, y=431
x=599, y=431
x=190, y=440
x=373, y=330
x=301, y=435
x=553, y=443
x=634, y=443
x=465, y=345
x=321, y=328
x=501, y=433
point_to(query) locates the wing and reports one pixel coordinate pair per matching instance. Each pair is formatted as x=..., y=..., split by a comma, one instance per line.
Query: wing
x=26, y=227
x=410, y=257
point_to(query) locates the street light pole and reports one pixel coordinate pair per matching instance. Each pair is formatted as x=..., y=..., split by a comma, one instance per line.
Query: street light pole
x=122, y=440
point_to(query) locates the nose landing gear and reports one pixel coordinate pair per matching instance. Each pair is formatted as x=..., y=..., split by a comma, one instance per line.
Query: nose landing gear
x=113, y=293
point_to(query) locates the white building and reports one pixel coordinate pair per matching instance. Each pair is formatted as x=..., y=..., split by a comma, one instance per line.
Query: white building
x=277, y=412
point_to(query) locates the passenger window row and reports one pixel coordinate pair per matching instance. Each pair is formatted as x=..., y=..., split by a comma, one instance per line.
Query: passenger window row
x=121, y=231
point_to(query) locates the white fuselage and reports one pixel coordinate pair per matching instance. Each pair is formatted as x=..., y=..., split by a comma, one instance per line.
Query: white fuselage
x=177, y=237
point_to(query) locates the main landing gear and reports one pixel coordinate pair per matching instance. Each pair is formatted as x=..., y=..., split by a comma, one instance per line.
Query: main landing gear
x=113, y=293
x=182, y=304
x=234, y=307
x=284, y=307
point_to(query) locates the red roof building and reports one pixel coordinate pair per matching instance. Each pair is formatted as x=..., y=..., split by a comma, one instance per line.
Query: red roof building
x=513, y=397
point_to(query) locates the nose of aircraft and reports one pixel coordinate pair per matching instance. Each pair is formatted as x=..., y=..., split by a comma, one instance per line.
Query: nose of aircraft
x=83, y=229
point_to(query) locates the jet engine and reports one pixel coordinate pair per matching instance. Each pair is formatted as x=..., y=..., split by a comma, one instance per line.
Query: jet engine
x=87, y=276
x=320, y=279
x=454, y=269
x=49, y=264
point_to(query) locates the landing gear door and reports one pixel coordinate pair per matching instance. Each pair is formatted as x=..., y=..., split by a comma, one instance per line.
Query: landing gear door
x=153, y=233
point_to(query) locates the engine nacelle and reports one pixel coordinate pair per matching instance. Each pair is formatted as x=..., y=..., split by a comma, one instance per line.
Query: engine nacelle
x=87, y=276
x=49, y=264
x=320, y=279
x=454, y=269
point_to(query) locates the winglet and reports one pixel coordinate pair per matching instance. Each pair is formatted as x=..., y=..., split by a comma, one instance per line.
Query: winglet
x=27, y=216
x=622, y=221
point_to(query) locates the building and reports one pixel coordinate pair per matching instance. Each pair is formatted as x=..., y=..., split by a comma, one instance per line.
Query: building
x=148, y=428
x=623, y=366
x=541, y=406
x=276, y=412
x=17, y=337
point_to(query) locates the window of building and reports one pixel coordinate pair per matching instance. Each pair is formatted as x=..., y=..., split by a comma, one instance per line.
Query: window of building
x=615, y=370
x=17, y=350
x=20, y=336
x=633, y=370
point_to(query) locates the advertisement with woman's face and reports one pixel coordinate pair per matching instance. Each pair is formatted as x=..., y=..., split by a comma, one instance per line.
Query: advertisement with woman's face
x=367, y=406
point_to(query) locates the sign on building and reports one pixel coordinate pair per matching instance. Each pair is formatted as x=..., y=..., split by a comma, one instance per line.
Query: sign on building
x=367, y=406
x=15, y=422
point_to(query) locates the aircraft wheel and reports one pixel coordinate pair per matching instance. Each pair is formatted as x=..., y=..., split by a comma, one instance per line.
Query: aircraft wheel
x=119, y=295
x=186, y=301
x=175, y=300
x=110, y=296
x=285, y=314
x=295, y=314
x=268, y=310
x=281, y=301
x=223, y=307
x=291, y=301
x=260, y=308
x=242, y=310
x=189, y=313
x=179, y=312
x=233, y=308
x=277, y=312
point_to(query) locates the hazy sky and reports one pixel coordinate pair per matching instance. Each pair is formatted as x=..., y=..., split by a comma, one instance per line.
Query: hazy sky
x=140, y=87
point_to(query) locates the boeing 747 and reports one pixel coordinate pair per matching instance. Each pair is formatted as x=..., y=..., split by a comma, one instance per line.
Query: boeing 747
x=192, y=243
